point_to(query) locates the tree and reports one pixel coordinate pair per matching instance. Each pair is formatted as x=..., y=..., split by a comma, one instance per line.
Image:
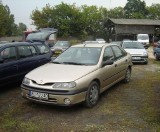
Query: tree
x=117, y=12
x=6, y=21
x=154, y=12
x=135, y=9
x=92, y=19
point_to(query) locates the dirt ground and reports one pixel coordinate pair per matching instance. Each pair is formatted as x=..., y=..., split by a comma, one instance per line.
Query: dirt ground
x=124, y=107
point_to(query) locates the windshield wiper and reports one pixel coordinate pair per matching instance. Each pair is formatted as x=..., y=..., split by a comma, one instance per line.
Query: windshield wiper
x=73, y=63
x=56, y=62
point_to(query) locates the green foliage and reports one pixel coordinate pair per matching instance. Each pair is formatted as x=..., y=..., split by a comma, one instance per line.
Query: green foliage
x=135, y=9
x=6, y=21
x=154, y=11
x=84, y=21
x=80, y=22
x=8, y=27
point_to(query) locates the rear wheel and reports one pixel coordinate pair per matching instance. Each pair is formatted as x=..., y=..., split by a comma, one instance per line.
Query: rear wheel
x=92, y=95
x=127, y=76
x=156, y=56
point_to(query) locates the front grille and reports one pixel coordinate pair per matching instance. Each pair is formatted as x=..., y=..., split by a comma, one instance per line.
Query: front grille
x=45, y=84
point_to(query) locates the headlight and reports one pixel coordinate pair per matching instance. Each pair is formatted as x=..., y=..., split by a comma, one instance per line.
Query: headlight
x=64, y=85
x=26, y=81
x=145, y=54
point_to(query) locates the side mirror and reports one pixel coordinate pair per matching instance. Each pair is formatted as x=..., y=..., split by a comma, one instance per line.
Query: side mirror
x=1, y=60
x=108, y=62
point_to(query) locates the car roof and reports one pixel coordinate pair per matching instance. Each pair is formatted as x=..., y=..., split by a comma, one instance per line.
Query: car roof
x=93, y=45
x=18, y=43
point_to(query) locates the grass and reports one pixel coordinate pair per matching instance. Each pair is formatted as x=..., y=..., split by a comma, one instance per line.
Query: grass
x=125, y=107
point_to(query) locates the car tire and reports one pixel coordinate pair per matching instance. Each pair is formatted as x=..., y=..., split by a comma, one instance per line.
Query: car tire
x=127, y=76
x=156, y=56
x=92, y=95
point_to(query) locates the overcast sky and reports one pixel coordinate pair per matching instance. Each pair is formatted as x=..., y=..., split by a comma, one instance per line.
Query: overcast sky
x=22, y=9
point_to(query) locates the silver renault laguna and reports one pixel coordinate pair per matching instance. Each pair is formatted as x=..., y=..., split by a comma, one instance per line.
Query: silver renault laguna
x=79, y=74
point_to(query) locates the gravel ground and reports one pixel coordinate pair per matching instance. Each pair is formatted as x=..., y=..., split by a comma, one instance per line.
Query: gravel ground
x=124, y=107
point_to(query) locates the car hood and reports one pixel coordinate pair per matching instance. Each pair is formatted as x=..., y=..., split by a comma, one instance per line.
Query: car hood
x=59, y=47
x=59, y=72
x=144, y=41
x=136, y=51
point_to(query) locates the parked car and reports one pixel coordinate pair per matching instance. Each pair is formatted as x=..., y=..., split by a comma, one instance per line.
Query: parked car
x=137, y=51
x=90, y=42
x=143, y=39
x=77, y=75
x=3, y=42
x=100, y=40
x=18, y=58
x=156, y=52
x=119, y=43
x=60, y=47
x=44, y=35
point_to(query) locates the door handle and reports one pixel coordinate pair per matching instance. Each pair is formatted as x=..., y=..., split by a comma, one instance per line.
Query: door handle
x=115, y=65
x=126, y=60
x=15, y=66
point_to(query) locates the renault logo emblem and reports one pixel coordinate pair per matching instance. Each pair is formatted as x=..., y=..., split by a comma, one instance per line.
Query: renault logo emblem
x=41, y=82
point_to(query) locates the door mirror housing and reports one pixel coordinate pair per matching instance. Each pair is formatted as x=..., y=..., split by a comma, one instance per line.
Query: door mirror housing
x=1, y=60
x=108, y=62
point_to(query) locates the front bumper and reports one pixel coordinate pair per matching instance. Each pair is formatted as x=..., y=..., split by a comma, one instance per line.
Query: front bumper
x=139, y=59
x=55, y=97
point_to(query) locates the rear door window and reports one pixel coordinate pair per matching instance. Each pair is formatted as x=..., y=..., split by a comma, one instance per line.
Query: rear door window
x=26, y=51
x=43, y=49
x=8, y=54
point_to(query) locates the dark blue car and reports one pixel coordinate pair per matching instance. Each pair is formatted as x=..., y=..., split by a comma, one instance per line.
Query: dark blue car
x=156, y=52
x=18, y=58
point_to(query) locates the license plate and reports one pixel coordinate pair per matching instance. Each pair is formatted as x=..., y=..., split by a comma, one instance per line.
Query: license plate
x=136, y=58
x=39, y=95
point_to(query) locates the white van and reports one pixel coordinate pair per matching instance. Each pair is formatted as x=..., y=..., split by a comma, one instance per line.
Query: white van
x=144, y=39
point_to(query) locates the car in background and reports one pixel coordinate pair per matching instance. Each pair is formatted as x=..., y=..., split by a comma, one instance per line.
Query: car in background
x=156, y=51
x=18, y=58
x=3, y=42
x=90, y=42
x=143, y=39
x=77, y=75
x=119, y=43
x=60, y=47
x=100, y=40
x=44, y=35
x=137, y=51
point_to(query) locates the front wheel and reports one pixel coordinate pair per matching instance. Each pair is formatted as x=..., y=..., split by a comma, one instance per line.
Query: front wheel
x=127, y=76
x=92, y=95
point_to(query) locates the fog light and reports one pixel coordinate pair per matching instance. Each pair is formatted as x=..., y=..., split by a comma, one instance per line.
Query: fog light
x=67, y=101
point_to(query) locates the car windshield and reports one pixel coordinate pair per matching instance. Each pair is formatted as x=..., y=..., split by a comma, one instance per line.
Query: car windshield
x=143, y=37
x=132, y=45
x=79, y=56
x=62, y=44
x=37, y=36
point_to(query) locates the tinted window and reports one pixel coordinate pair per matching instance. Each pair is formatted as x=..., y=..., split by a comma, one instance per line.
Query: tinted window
x=108, y=54
x=118, y=52
x=8, y=54
x=24, y=51
x=43, y=49
x=33, y=50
